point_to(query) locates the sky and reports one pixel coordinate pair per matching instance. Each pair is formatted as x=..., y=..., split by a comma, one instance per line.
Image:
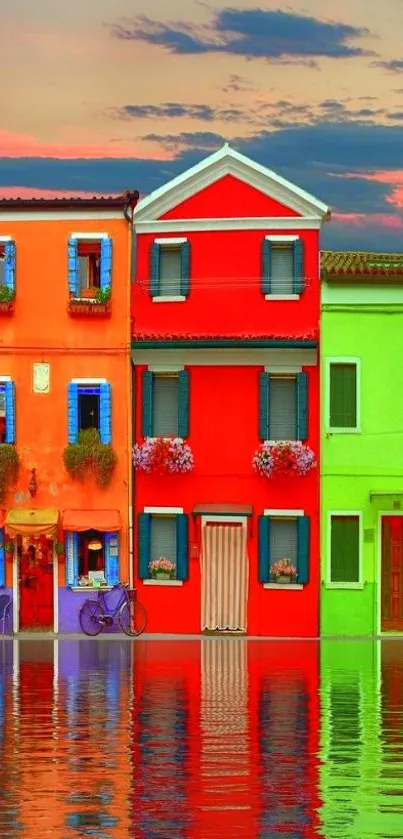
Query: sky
x=101, y=96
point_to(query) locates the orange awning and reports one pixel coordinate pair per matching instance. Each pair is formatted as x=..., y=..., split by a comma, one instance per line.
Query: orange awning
x=106, y=521
x=29, y=522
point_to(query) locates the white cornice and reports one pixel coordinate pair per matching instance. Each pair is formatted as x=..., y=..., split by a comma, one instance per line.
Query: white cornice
x=269, y=359
x=209, y=225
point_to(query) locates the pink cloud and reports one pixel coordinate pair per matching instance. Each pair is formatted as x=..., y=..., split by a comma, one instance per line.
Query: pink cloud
x=365, y=220
x=24, y=145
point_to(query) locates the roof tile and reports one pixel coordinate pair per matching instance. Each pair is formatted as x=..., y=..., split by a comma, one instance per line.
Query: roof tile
x=360, y=264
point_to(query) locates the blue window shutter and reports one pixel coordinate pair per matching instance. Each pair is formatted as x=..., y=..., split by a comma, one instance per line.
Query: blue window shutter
x=144, y=545
x=298, y=267
x=2, y=558
x=266, y=267
x=303, y=549
x=183, y=408
x=105, y=413
x=112, y=558
x=147, y=404
x=182, y=550
x=72, y=412
x=9, y=266
x=10, y=412
x=74, y=280
x=264, y=399
x=185, y=268
x=155, y=270
x=71, y=559
x=264, y=549
x=302, y=406
x=106, y=263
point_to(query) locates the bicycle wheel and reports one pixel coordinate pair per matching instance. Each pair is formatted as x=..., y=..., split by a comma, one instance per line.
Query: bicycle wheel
x=132, y=617
x=90, y=617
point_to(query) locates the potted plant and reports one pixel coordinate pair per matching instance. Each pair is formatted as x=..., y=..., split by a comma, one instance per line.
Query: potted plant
x=169, y=455
x=161, y=568
x=283, y=458
x=90, y=293
x=10, y=548
x=7, y=296
x=283, y=571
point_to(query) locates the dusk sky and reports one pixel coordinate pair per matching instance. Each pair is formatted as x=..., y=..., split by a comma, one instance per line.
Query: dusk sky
x=100, y=97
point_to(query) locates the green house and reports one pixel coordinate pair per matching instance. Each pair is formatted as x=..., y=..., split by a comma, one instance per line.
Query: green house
x=362, y=443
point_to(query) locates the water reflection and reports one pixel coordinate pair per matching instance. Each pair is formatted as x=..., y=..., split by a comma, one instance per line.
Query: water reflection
x=201, y=739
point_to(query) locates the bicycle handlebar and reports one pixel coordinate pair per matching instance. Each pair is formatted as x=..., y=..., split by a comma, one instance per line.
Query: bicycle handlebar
x=121, y=585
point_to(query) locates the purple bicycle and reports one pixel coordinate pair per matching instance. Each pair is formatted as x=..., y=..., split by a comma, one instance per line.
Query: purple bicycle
x=131, y=615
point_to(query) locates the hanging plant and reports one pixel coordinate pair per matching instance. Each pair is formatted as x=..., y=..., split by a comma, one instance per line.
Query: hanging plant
x=167, y=455
x=59, y=548
x=9, y=469
x=90, y=456
x=283, y=458
x=9, y=547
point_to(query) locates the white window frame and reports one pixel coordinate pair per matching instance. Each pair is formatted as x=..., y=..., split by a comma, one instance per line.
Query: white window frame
x=170, y=512
x=89, y=237
x=167, y=242
x=339, y=359
x=282, y=240
x=344, y=585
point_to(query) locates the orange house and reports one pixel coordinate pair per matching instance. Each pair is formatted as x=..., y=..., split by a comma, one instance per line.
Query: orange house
x=65, y=390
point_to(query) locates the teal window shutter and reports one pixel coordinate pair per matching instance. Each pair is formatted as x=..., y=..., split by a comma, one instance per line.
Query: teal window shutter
x=72, y=559
x=72, y=412
x=112, y=558
x=185, y=268
x=10, y=412
x=302, y=406
x=144, y=544
x=106, y=263
x=2, y=558
x=298, y=267
x=183, y=404
x=105, y=413
x=266, y=267
x=155, y=270
x=74, y=279
x=264, y=405
x=264, y=549
x=182, y=547
x=303, y=549
x=9, y=265
x=147, y=404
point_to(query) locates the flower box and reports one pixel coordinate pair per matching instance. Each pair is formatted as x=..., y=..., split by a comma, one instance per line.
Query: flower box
x=283, y=572
x=161, y=568
x=283, y=458
x=163, y=455
x=82, y=306
x=7, y=306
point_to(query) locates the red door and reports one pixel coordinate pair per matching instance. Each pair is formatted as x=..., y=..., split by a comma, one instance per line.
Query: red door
x=392, y=573
x=36, y=587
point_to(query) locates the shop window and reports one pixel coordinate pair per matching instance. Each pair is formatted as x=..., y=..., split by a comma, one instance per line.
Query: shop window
x=91, y=556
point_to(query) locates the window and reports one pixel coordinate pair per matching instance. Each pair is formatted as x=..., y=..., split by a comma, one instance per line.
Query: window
x=7, y=412
x=163, y=534
x=91, y=556
x=344, y=548
x=89, y=265
x=283, y=409
x=165, y=408
x=164, y=538
x=284, y=537
x=169, y=269
x=343, y=403
x=7, y=265
x=282, y=266
x=89, y=406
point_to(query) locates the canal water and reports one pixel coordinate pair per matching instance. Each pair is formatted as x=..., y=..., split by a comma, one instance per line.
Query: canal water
x=210, y=738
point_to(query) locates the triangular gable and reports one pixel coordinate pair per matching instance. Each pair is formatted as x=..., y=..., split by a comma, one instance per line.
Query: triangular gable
x=227, y=161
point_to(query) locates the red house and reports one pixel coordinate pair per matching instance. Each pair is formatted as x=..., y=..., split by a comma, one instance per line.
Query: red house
x=225, y=349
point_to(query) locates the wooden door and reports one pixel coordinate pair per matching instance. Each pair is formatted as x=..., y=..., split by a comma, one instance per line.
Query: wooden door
x=392, y=574
x=36, y=588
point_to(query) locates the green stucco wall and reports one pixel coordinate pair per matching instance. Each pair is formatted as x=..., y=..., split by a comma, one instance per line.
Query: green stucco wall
x=354, y=464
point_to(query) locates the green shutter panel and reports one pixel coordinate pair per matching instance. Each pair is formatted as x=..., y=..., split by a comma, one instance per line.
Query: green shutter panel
x=182, y=547
x=298, y=284
x=185, y=268
x=183, y=404
x=264, y=549
x=264, y=406
x=303, y=549
x=302, y=406
x=147, y=404
x=266, y=267
x=345, y=549
x=144, y=540
x=2, y=558
x=155, y=270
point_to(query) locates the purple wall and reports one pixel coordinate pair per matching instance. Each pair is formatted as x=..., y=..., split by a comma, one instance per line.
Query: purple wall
x=9, y=622
x=69, y=607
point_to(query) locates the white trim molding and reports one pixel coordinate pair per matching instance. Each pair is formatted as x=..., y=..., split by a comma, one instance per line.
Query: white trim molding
x=5, y=378
x=286, y=586
x=281, y=239
x=171, y=241
x=281, y=297
x=286, y=370
x=210, y=225
x=328, y=581
x=91, y=381
x=165, y=368
x=5, y=239
x=289, y=514
x=166, y=298
x=89, y=237
x=164, y=511
x=174, y=583
x=339, y=359
x=60, y=215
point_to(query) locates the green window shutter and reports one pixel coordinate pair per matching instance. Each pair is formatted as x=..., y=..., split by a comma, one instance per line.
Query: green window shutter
x=264, y=403
x=264, y=549
x=266, y=267
x=185, y=268
x=144, y=544
x=343, y=395
x=345, y=549
x=147, y=404
x=155, y=270
x=183, y=404
x=298, y=267
x=302, y=406
x=303, y=549
x=182, y=561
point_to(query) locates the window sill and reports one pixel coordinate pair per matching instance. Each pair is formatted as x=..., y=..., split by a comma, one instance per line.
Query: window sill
x=282, y=296
x=332, y=431
x=163, y=582
x=344, y=586
x=286, y=586
x=90, y=588
x=164, y=298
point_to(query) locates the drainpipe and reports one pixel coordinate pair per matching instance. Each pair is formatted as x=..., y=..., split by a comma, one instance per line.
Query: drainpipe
x=128, y=212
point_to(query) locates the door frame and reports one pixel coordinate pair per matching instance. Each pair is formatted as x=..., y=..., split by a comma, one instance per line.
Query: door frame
x=225, y=519
x=16, y=592
x=378, y=606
